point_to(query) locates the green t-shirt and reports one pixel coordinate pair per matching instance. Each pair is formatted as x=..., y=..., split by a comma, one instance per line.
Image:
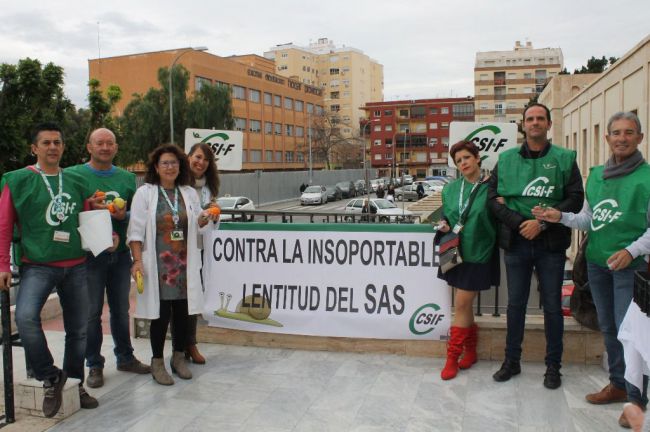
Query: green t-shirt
x=619, y=212
x=43, y=237
x=115, y=182
x=526, y=183
x=479, y=232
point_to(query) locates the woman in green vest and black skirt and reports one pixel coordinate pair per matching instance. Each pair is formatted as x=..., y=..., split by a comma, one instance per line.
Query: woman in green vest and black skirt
x=465, y=213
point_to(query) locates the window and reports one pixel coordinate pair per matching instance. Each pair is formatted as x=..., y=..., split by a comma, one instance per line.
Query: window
x=418, y=112
x=300, y=131
x=288, y=103
x=463, y=110
x=483, y=106
x=444, y=125
x=378, y=156
x=388, y=128
x=268, y=98
x=254, y=95
x=300, y=156
x=255, y=126
x=376, y=113
x=388, y=142
x=403, y=127
x=445, y=141
x=277, y=100
x=334, y=59
x=278, y=128
x=240, y=124
x=377, y=142
x=512, y=90
x=298, y=106
x=238, y=92
x=268, y=128
x=256, y=155
x=512, y=75
x=334, y=83
x=319, y=110
x=310, y=108
x=528, y=75
x=377, y=128
x=334, y=71
x=288, y=156
x=388, y=112
x=335, y=108
x=388, y=156
x=289, y=130
x=433, y=141
x=433, y=111
x=420, y=127
x=200, y=82
x=528, y=89
x=278, y=156
x=404, y=113
x=268, y=156
x=334, y=95
x=433, y=125
x=444, y=110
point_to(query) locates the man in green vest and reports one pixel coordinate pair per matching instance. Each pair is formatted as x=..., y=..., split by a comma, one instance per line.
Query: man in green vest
x=109, y=273
x=537, y=173
x=617, y=216
x=44, y=203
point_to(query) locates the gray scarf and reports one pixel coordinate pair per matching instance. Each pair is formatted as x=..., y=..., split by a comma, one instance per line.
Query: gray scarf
x=612, y=169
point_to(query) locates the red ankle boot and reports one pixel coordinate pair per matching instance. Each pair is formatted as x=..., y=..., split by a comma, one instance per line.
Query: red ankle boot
x=469, y=354
x=454, y=349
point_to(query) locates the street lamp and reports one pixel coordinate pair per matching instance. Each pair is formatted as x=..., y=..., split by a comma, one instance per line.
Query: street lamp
x=171, y=106
x=365, y=165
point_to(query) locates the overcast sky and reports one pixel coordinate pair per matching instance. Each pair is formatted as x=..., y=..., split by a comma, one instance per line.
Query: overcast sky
x=427, y=47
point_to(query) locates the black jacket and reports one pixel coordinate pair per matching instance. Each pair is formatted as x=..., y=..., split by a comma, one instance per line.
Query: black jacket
x=556, y=237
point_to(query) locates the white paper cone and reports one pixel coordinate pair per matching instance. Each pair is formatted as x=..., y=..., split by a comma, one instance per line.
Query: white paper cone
x=96, y=231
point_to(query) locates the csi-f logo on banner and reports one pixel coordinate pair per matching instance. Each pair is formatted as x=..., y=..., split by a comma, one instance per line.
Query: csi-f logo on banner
x=56, y=215
x=538, y=188
x=425, y=319
x=492, y=139
x=227, y=146
x=604, y=213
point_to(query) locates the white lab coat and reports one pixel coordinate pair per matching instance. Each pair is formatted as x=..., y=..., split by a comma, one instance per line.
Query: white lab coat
x=142, y=227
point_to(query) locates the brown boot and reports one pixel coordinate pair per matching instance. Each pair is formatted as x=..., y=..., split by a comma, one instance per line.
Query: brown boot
x=609, y=394
x=159, y=372
x=179, y=367
x=457, y=336
x=469, y=353
x=192, y=352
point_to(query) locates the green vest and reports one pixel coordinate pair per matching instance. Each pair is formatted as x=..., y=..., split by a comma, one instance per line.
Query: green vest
x=619, y=212
x=37, y=220
x=120, y=184
x=478, y=237
x=525, y=183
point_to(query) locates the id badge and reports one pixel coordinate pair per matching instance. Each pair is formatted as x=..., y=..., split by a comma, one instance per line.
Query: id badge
x=457, y=228
x=177, y=235
x=61, y=236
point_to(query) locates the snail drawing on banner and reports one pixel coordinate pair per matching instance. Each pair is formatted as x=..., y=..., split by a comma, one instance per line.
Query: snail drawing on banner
x=252, y=309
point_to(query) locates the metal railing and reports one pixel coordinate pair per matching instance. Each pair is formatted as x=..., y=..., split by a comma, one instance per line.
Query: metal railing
x=293, y=216
x=9, y=340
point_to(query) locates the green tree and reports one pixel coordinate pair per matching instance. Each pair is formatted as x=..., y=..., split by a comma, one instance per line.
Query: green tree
x=595, y=65
x=100, y=107
x=211, y=108
x=29, y=94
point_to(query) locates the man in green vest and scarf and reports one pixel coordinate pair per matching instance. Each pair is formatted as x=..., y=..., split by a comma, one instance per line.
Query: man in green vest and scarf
x=616, y=214
x=537, y=173
x=44, y=203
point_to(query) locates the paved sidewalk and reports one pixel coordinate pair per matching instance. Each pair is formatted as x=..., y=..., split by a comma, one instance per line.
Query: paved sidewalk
x=273, y=390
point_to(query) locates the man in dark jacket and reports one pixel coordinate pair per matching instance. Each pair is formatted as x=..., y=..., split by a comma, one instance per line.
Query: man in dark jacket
x=537, y=173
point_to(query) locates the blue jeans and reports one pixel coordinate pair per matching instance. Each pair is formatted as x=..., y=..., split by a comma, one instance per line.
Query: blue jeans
x=36, y=283
x=612, y=292
x=109, y=272
x=522, y=257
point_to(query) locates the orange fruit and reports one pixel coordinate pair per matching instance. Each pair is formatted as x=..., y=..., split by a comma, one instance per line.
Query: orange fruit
x=215, y=211
x=111, y=208
x=99, y=194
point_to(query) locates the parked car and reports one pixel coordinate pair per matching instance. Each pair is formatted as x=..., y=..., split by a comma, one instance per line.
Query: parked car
x=347, y=189
x=409, y=192
x=385, y=210
x=314, y=195
x=444, y=179
x=360, y=186
x=235, y=203
x=408, y=179
x=374, y=184
x=333, y=193
x=436, y=185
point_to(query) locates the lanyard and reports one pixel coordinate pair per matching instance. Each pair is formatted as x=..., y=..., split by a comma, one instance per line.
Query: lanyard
x=57, y=200
x=463, y=206
x=174, y=208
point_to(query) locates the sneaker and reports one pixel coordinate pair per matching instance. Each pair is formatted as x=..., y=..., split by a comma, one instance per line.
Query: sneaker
x=509, y=368
x=135, y=366
x=95, y=378
x=86, y=401
x=552, y=377
x=52, y=394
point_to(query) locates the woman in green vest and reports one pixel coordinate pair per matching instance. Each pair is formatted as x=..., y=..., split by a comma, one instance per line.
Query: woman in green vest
x=465, y=212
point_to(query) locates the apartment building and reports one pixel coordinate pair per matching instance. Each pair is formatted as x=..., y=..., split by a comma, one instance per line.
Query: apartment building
x=504, y=81
x=412, y=135
x=348, y=77
x=273, y=111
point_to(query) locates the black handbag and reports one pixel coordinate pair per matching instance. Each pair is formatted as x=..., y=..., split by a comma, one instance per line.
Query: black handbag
x=582, y=304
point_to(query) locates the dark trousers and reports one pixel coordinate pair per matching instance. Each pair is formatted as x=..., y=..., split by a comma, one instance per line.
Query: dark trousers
x=176, y=311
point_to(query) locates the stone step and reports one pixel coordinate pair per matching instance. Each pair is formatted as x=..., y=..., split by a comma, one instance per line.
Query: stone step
x=29, y=398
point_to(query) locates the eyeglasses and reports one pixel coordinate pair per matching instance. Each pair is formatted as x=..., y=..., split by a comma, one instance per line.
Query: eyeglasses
x=168, y=164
